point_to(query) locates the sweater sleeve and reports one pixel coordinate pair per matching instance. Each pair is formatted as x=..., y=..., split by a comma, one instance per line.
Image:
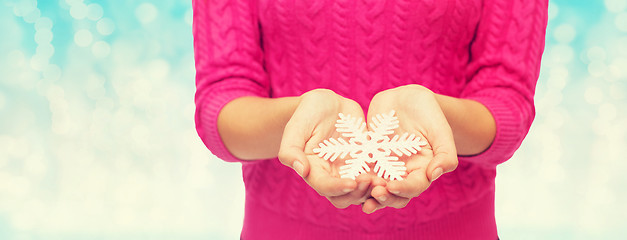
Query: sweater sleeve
x=229, y=63
x=504, y=69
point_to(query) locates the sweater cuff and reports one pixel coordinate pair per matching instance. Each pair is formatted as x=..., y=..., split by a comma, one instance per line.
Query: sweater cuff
x=208, y=108
x=509, y=131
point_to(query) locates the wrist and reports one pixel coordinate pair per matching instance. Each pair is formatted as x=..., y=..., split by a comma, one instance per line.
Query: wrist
x=473, y=125
x=251, y=127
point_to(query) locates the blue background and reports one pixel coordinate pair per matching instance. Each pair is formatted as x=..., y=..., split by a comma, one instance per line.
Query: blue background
x=97, y=138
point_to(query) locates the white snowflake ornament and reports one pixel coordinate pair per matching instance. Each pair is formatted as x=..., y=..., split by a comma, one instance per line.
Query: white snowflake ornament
x=370, y=146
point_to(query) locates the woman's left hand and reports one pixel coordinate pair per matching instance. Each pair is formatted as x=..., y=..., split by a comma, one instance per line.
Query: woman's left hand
x=418, y=112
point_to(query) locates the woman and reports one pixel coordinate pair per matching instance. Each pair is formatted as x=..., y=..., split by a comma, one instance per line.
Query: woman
x=272, y=77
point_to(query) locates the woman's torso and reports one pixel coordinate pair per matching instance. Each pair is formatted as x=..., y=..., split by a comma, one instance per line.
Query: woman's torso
x=359, y=48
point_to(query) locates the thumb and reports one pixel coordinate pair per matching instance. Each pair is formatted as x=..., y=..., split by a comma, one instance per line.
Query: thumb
x=442, y=162
x=296, y=159
x=292, y=149
x=444, y=156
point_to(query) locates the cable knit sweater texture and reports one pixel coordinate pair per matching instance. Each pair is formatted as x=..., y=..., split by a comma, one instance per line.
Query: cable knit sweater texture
x=485, y=50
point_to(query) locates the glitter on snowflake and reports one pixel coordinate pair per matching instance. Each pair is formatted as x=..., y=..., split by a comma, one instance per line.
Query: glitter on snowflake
x=370, y=146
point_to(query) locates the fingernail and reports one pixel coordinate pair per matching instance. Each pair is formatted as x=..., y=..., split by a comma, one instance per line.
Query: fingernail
x=347, y=190
x=395, y=192
x=382, y=198
x=436, y=174
x=362, y=186
x=298, y=167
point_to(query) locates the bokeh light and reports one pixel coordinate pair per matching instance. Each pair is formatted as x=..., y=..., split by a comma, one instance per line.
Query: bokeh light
x=83, y=38
x=78, y=11
x=615, y=6
x=101, y=49
x=105, y=26
x=621, y=21
x=94, y=12
x=146, y=13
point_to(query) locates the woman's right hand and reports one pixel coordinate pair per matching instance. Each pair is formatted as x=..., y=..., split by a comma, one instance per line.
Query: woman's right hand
x=314, y=121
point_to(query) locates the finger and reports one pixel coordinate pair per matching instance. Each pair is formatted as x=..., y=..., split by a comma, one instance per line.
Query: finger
x=357, y=196
x=378, y=181
x=413, y=185
x=327, y=185
x=291, y=151
x=371, y=205
x=444, y=150
x=445, y=155
x=387, y=199
x=338, y=203
x=380, y=194
x=360, y=193
x=296, y=159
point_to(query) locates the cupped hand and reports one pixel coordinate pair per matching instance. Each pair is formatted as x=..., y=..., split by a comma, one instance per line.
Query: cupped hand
x=312, y=122
x=418, y=112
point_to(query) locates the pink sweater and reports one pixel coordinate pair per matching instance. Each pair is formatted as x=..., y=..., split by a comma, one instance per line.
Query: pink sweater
x=486, y=50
